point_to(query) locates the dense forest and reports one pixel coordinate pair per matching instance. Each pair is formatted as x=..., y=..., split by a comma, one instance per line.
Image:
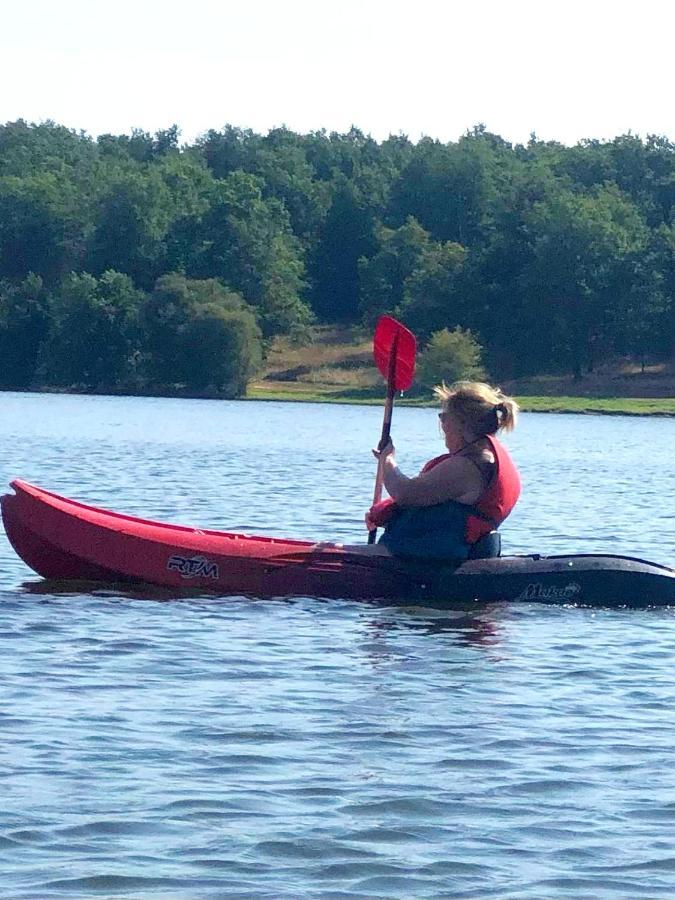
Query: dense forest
x=133, y=262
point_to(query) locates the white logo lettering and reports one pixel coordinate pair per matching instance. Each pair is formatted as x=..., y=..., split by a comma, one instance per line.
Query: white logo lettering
x=537, y=591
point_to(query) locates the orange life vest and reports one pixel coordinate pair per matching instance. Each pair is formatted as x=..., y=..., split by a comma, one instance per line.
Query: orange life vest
x=491, y=508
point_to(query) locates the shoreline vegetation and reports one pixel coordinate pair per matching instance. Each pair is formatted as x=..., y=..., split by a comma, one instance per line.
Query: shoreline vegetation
x=285, y=392
x=613, y=406
x=337, y=367
x=256, y=265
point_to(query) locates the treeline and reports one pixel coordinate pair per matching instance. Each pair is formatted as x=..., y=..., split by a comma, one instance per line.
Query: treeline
x=137, y=263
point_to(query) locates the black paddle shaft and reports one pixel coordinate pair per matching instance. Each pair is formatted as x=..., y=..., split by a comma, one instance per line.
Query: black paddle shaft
x=386, y=428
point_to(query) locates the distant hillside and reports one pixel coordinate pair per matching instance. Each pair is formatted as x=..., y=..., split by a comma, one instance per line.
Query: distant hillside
x=338, y=364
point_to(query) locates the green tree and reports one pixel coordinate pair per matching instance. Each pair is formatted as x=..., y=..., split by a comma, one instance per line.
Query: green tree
x=448, y=357
x=34, y=226
x=347, y=234
x=642, y=318
x=93, y=340
x=246, y=242
x=228, y=150
x=587, y=165
x=636, y=315
x=199, y=334
x=446, y=187
x=222, y=349
x=140, y=146
x=663, y=255
x=490, y=288
x=382, y=278
x=580, y=244
x=431, y=299
x=661, y=161
x=189, y=184
x=132, y=218
x=28, y=149
x=24, y=323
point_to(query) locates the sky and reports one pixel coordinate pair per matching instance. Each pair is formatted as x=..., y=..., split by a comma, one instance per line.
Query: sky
x=563, y=70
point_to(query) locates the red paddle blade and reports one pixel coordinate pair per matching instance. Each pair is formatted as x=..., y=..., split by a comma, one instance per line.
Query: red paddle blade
x=392, y=337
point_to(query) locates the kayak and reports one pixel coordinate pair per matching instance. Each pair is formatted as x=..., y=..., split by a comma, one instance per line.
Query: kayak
x=63, y=539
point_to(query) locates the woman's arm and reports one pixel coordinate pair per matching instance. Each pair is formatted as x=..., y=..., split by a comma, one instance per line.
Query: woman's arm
x=453, y=479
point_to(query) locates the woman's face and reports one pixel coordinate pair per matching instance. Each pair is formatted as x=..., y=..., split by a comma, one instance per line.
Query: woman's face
x=453, y=431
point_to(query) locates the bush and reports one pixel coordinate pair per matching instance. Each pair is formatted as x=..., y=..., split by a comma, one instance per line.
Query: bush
x=201, y=335
x=450, y=356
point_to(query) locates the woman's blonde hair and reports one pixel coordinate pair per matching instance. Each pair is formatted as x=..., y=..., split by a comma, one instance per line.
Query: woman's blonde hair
x=480, y=407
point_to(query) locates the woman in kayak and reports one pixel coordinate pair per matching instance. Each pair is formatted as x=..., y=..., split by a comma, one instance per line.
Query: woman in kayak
x=458, y=496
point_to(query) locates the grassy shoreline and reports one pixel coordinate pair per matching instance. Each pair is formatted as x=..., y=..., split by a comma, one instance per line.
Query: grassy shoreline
x=608, y=406
x=292, y=392
x=336, y=366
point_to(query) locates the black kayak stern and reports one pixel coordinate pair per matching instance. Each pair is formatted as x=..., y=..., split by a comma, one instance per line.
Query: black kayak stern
x=580, y=579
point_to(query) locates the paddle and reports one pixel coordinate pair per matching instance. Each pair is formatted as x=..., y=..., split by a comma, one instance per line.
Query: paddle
x=394, y=350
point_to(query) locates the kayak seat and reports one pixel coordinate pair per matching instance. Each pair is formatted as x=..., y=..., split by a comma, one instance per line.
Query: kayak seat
x=487, y=547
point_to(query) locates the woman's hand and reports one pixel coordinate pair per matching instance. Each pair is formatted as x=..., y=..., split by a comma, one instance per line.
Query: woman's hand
x=387, y=452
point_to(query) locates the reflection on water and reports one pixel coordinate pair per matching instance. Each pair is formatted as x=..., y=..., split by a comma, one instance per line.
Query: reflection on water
x=472, y=628
x=119, y=591
x=206, y=747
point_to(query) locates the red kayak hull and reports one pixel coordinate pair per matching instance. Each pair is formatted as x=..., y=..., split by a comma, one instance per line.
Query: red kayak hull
x=64, y=540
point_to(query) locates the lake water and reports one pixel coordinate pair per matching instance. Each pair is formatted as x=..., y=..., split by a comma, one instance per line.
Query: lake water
x=306, y=749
